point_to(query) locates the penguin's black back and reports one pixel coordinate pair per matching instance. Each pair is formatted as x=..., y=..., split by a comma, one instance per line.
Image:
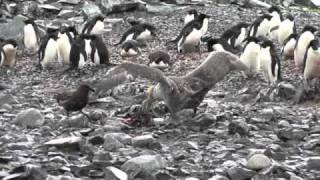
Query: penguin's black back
x=257, y=22
x=77, y=49
x=314, y=44
x=90, y=24
x=97, y=44
x=130, y=44
x=44, y=41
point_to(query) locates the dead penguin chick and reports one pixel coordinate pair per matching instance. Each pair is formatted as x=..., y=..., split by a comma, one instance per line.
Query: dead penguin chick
x=159, y=59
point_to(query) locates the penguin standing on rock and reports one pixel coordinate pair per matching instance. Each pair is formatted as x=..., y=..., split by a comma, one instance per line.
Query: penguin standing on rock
x=94, y=25
x=9, y=48
x=307, y=35
x=236, y=34
x=78, y=54
x=260, y=27
x=185, y=92
x=286, y=28
x=192, y=32
x=269, y=62
x=288, y=46
x=192, y=14
x=48, y=49
x=31, y=37
x=64, y=45
x=139, y=32
x=275, y=21
x=99, y=54
x=311, y=62
x=250, y=54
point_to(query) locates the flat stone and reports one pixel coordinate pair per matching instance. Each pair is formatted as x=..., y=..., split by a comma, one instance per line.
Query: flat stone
x=218, y=177
x=145, y=141
x=113, y=173
x=111, y=143
x=240, y=173
x=7, y=99
x=72, y=2
x=258, y=161
x=313, y=163
x=30, y=118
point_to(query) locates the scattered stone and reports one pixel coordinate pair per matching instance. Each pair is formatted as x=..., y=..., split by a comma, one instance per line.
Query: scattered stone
x=72, y=143
x=143, y=164
x=313, y=163
x=7, y=99
x=240, y=173
x=258, y=161
x=218, y=177
x=111, y=6
x=145, y=141
x=111, y=143
x=30, y=118
x=240, y=127
x=72, y=2
x=113, y=173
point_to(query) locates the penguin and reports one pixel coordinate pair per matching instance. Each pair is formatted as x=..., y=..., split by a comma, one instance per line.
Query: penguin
x=130, y=48
x=220, y=44
x=236, y=34
x=307, y=35
x=311, y=61
x=288, y=46
x=286, y=28
x=192, y=14
x=73, y=31
x=139, y=32
x=192, y=32
x=269, y=62
x=275, y=21
x=260, y=27
x=94, y=25
x=48, y=49
x=9, y=48
x=31, y=37
x=78, y=54
x=99, y=54
x=64, y=45
x=250, y=55
x=159, y=59
x=87, y=45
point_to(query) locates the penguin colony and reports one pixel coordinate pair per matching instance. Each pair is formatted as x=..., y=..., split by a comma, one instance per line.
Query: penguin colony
x=247, y=47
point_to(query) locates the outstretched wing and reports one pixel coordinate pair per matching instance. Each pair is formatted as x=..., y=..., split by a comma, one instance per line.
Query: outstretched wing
x=110, y=82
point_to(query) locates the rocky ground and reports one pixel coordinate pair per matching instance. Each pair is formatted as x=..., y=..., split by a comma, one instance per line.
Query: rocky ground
x=244, y=129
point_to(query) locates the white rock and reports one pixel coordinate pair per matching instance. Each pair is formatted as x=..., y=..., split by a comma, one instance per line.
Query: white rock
x=258, y=161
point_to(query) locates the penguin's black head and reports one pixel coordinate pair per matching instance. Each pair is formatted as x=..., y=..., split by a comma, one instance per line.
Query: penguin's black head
x=267, y=43
x=242, y=25
x=309, y=28
x=73, y=30
x=12, y=42
x=63, y=29
x=290, y=17
x=203, y=16
x=193, y=11
x=211, y=42
x=52, y=30
x=99, y=18
x=314, y=44
x=85, y=36
x=85, y=88
x=267, y=16
x=274, y=9
x=28, y=21
x=293, y=36
x=52, y=36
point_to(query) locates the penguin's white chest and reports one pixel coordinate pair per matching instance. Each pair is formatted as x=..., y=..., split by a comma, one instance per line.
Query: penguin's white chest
x=250, y=56
x=129, y=37
x=188, y=18
x=64, y=48
x=218, y=47
x=263, y=28
x=194, y=37
x=30, y=38
x=82, y=61
x=98, y=28
x=266, y=64
x=288, y=48
x=204, y=27
x=130, y=52
x=285, y=30
x=240, y=38
x=312, y=66
x=50, y=52
x=96, y=57
x=146, y=34
x=88, y=48
x=300, y=50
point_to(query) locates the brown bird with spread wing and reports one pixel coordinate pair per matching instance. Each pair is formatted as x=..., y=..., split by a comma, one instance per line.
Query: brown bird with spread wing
x=187, y=91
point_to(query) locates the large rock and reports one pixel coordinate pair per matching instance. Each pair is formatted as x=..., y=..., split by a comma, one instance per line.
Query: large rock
x=7, y=99
x=111, y=143
x=313, y=163
x=147, y=164
x=240, y=173
x=258, y=161
x=116, y=6
x=30, y=118
x=145, y=141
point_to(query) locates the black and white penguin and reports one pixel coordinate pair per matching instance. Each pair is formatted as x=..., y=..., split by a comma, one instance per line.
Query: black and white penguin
x=99, y=54
x=286, y=28
x=307, y=35
x=275, y=21
x=250, y=55
x=78, y=55
x=269, y=62
x=159, y=59
x=87, y=45
x=64, y=45
x=94, y=25
x=2, y=57
x=31, y=36
x=311, y=62
x=140, y=32
x=48, y=49
x=236, y=34
x=9, y=47
x=220, y=44
x=260, y=27
x=192, y=32
x=130, y=48
x=73, y=31
x=288, y=46
x=192, y=14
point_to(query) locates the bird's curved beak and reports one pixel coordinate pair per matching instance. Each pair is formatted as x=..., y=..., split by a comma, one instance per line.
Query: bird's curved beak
x=91, y=90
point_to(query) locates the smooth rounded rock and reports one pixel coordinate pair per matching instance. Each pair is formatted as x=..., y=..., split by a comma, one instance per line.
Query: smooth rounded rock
x=30, y=118
x=258, y=161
